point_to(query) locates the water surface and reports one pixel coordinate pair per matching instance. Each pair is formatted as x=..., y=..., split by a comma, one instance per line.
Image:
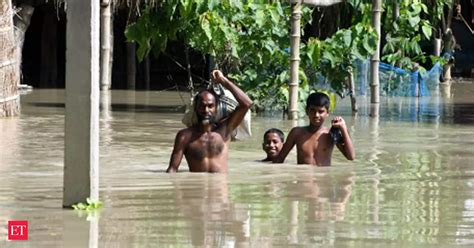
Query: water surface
x=412, y=184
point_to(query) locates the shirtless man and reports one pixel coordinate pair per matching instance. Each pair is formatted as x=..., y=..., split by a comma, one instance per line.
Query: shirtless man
x=314, y=143
x=206, y=144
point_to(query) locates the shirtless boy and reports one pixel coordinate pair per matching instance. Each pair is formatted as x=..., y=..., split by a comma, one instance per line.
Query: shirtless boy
x=206, y=144
x=314, y=143
x=273, y=140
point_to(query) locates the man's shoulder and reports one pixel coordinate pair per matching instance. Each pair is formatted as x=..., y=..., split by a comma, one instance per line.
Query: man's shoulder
x=186, y=131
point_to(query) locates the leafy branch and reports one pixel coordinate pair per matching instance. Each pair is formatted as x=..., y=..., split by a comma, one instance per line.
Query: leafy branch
x=89, y=205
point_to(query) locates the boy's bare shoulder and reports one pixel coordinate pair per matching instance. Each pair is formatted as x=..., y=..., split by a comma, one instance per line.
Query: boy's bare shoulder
x=324, y=130
x=298, y=132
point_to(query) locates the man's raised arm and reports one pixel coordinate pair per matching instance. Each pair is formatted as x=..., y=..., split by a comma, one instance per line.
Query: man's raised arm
x=244, y=101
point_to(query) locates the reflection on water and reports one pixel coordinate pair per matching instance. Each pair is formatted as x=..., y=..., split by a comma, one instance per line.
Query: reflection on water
x=411, y=185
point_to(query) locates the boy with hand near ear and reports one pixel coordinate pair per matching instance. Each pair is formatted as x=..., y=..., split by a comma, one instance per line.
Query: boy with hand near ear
x=314, y=143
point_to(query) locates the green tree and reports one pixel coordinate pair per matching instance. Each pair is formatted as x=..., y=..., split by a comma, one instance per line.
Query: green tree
x=249, y=39
x=407, y=24
x=335, y=56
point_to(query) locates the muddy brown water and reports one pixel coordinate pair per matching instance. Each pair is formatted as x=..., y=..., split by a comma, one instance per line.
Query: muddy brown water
x=412, y=184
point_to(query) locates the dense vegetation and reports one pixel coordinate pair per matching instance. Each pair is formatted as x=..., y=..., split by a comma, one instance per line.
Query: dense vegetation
x=250, y=40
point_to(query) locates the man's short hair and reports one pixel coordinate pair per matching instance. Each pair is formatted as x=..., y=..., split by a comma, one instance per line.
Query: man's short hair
x=318, y=99
x=274, y=130
x=198, y=96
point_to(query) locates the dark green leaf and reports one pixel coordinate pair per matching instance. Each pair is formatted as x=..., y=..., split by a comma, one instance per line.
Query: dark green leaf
x=426, y=31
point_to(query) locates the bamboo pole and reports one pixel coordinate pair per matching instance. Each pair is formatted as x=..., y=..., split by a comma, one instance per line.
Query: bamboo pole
x=105, y=52
x=374, y=63
x=294, y=59
x=9, y=66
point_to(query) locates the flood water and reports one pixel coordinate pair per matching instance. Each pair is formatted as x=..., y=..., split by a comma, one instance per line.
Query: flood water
x=411, y=185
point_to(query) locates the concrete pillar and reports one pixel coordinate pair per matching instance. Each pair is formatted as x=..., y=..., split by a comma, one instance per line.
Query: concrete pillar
x=80, y=231
x=81, y=159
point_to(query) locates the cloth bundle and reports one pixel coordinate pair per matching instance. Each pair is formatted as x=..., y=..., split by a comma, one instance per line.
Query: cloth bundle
x=226, y=104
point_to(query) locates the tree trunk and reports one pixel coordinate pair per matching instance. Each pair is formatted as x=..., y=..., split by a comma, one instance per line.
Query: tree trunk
x=374, y=63
x=146, y=72
x=106, y=44
x=446, y=73
x=351, y=85
x=395, y=11
x=49, y=51
x=111, y=59
x=9, y=65
x=445, y=89
x=22, y=21
x=437, y=47
x=188, y=69
x=131, y=66
x=395, y=16
x=449, y=43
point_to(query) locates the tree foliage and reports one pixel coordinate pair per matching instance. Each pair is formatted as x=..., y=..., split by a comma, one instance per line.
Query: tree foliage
x=249, y=39
x=404, y=36
x=334, y=57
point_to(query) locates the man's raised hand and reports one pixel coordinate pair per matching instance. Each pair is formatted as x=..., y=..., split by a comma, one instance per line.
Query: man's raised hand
x=217, y=76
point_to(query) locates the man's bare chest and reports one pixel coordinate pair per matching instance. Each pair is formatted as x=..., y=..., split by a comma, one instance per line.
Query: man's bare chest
x=206, y=146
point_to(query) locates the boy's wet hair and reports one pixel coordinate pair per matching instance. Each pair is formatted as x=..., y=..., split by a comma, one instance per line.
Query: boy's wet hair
x=274, y=130
x=318, y=99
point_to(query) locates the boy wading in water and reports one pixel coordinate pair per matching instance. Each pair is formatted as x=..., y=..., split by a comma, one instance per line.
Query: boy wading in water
x=206, y=144
x=273, y=140
x=314, y=143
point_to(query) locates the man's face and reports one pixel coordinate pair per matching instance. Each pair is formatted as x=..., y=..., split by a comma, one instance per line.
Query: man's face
x=272, y=145
x=206, y=108
x=317, y=115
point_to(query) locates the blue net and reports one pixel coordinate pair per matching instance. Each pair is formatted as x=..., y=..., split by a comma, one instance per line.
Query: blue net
x=395, y=81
